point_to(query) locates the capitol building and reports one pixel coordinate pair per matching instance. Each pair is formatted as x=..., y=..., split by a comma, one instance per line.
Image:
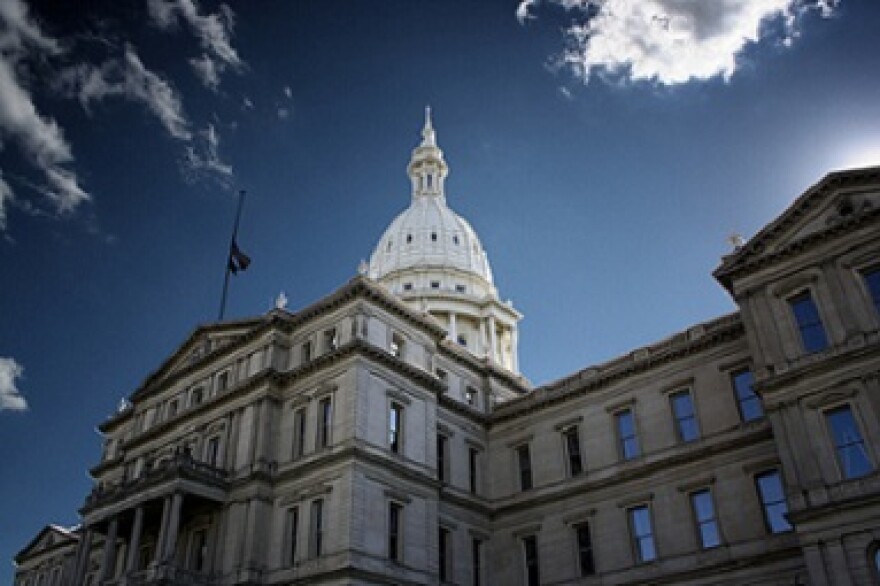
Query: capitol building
x=385, y=434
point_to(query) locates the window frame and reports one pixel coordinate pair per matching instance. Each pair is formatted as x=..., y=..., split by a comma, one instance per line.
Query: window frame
x=444, y=554
x=527, y=543
x=579, y=529
x=734, y=375
x=300, y=422
x=316, y=528
x=765, y=505
x=324, y=431
x=680, y=421
x=636, y=538
x=570, y=459
x=621, y=440
x=523, y=454
x=292, y=536
x=832, y=441
x=698, y=524
x=476, y=561
x=395, y=427
x=443, y=458
x=394, y=531
x=808, y=295
x=473, y=469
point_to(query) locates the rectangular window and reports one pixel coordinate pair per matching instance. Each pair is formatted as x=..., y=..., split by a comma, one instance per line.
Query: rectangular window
x=292, y=534
x=395, y=422
x=524, y=461
x=299, y=432
x=222, y=381
x=585, y=550
x=397, y=344
x=394, y=516
x=642, y=534
x=471, y=396
x=172, y=409
x=331, y=339
x=750, y=407
x=305, y=352
x=199, y=551
x=317, y=530
x=476, y=561
x=809, y=323
x=872, y=281
x=442, y=458
x=773, y=499
x=443, y=554
x=530, y=557
x=626, y=433
x=325, y=421
x=848, y=442
x=212, y=451
x=685, y=417
x=573, y=451
x=473, y=454
x=704, y=516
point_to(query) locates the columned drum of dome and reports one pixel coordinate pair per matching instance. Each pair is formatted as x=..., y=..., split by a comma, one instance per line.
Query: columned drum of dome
x=432, y=258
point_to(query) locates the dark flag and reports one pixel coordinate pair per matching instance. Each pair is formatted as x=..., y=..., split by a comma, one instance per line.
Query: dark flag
x=238, y=261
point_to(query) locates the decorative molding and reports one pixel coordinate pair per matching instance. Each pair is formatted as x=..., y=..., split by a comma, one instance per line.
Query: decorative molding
x=637, y=499
x=570, y=422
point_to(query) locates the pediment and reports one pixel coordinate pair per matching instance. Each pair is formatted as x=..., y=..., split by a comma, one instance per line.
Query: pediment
x=203, y=341
x=49, y=538
x=837, y=202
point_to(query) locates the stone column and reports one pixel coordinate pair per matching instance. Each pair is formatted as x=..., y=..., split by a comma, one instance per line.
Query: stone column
x=134, y=544
x=163, y=530
x=514, y=349
x=493, y=341
x=173, y=528
x=108, y=563
x=484, y=340
x=453, y=328
x=82, y=561
x=815, y=565
x=837, y=560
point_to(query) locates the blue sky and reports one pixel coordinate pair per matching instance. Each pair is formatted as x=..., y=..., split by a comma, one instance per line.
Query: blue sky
x=603, y=151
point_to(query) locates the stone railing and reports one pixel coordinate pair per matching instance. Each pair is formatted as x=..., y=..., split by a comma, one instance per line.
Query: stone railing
x=179, y=465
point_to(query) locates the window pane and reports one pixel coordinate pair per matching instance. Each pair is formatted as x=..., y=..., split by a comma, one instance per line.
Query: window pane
x=872, y=280
x=585, y=550
x=626, y=431
x=750, y=407
x=773, y=498
x=806, y=314
x=848, y=441
x=525, y=467
x=709, y=535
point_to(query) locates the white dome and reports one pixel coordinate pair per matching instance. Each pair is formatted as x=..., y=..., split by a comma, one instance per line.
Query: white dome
x=429, y=235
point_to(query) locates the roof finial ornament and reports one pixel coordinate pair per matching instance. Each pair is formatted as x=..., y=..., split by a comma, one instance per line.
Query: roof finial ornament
x=428, y=135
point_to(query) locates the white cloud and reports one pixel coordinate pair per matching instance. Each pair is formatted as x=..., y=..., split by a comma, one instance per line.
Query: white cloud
x=214, y=32
x=670, y=41
x=203, y=158
x=247, y=104
x=6, y=197
x=10, y=397
x=283, y=113
x=207, y=71
x=128, y=78
x=288, y=92
x=39, y=137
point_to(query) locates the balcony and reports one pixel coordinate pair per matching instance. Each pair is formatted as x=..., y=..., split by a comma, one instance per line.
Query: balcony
x=181, y=472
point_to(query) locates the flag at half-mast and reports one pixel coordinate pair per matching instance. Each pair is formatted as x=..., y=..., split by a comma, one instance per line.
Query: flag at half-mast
x=238, y=261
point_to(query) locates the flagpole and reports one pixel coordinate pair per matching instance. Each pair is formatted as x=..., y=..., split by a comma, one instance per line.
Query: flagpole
x=229, y=255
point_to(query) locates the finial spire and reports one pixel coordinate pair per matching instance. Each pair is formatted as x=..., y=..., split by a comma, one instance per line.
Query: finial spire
x=429, y=138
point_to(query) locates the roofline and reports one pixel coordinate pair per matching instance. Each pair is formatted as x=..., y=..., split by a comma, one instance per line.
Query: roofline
x=693, y=339
x=740, y=258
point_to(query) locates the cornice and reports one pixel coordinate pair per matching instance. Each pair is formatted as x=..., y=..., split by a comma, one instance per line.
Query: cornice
x=688, y=342
x=751, y=255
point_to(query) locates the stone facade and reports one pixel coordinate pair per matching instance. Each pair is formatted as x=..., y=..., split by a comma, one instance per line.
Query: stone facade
x=356, y=442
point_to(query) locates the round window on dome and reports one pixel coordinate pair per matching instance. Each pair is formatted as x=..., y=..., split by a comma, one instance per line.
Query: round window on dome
x=433, y=237
x=409, y=238
x=389, y=245
x=455, y=239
